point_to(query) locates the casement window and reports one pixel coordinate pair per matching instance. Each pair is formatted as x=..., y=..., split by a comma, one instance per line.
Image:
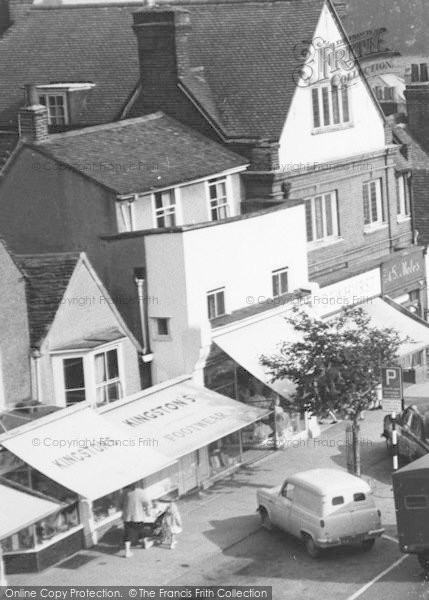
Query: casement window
x=74, y=380
x=280, y=282
x=56, y=105
x=216, y=303
x=126, y=207
x=402, y=198
x=419, y=73
x=107, y=380
x=330, y=105
x=165, y=208
x=162, y=327
x=322, y=217
x=218, y=198
x=372, y=203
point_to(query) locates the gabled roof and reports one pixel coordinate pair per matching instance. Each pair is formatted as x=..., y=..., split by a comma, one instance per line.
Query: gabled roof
x=48, y=276
x=138, y=155
x=249, y=52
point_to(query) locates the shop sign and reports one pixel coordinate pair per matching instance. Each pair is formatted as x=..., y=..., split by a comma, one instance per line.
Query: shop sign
x=354, y=290
x=9, y=462
x=402, y=270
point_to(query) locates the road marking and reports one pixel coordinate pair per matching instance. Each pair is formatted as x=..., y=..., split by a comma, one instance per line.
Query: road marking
x=388, y=537
x=379, y=576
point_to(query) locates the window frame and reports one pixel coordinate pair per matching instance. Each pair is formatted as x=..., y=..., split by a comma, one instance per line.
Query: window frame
x=324, y=108
x=310, y=201
x=155, y=211
x=214, y=181
x=58, y=93
x=403, y=207
x=110, y=380
x=128, y=204
x=276, y=275
x=380, y=221
x=156, y=335
x=215, y=292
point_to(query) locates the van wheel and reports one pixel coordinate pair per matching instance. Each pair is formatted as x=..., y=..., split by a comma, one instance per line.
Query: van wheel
x=368, y=544
x=265, y=519
x=424, y=561
x=310, y=545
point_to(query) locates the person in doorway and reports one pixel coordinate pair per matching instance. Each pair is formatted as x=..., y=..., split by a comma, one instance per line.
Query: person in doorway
x=133, y=506
x=172, y=525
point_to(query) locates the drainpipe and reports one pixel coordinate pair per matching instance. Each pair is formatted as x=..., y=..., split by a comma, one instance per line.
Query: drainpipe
x=140, y=281
x=386, y=155
x=35, y=355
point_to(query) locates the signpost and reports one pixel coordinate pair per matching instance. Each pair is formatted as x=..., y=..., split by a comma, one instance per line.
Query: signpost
x=392, y=391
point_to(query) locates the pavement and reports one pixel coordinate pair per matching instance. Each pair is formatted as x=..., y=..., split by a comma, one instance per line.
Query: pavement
x=217, y=521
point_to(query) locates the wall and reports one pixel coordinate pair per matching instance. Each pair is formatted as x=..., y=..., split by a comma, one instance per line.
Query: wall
x=354, y=247
x=299, y=144
x=15, y=372
x=85, y=311
x=227, y=255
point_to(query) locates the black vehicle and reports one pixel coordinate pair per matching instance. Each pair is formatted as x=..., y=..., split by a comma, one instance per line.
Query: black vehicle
x=412, y=426
x=411, y=491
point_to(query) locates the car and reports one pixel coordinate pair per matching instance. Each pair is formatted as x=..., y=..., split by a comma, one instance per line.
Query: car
x=323, y=508
x=412, y=426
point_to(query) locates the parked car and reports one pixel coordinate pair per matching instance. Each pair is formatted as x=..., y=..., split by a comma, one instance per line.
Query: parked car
x=324, y=508
x=412, y=426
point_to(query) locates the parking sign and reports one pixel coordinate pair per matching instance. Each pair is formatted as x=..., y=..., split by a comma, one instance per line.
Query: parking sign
x=391, y=383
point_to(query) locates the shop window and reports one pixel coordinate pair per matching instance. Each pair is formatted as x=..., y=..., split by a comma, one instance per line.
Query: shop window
x=22, y=540
x=280, y=282
x=330, y=105
x=74, y=380
x=165, y=208
x=224, y=453
x=216, y=303
x=55, y=525
x=372, y=204
x=322, y=217
x=107, y=380
x=107, y=506
x=403, y=200
x=218, y=198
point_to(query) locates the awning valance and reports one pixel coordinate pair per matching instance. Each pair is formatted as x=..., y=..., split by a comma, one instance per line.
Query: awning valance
x=19, y=510
x=84, y=452
x=181, y=417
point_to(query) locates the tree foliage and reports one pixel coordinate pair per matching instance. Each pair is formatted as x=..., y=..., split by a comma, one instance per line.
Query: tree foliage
x=337, y=364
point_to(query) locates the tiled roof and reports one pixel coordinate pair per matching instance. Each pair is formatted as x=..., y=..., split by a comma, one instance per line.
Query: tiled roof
x=418, y=158
x=249, y=52
x=136, y=155
x=47, y=276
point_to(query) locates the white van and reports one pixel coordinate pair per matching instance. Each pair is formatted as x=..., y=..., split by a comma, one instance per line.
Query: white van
x=324, y=508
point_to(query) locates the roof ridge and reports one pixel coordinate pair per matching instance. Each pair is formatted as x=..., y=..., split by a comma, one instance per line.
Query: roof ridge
x=103, y=127
x=142, y=5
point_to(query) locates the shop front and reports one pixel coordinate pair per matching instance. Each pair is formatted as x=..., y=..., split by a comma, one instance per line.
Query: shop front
x=200, y=430
x=81, y=462
x=403, y=279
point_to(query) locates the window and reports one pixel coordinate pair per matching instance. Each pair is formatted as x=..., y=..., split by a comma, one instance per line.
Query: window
x=419, y=73
x=322, y=217
x=74, y=380
x=337, y=500
x=330, y=105
x=288, y=491
x=107, y=381
x=127, y=213
x=379, y=92
x=372, y=203
x=402, y=199
x=359, y=497
x=218, y=197
x=216, y=303
x=389, y=93
x=162, y=328
x=280, y=282
x=56, y=106
x=414, y=502
x=165, y=208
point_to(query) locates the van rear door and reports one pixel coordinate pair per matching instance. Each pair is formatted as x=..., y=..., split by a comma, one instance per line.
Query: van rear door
x=364, y=513
x=338, y=520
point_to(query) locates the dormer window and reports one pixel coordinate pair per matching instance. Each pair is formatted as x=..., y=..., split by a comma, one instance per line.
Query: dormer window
x=56, y=99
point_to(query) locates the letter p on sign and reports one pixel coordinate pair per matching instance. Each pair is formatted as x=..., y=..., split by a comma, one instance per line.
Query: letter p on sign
x=392, y=388
x=391, y=376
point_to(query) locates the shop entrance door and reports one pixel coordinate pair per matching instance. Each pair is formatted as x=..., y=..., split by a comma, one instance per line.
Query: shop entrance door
x=188, y=472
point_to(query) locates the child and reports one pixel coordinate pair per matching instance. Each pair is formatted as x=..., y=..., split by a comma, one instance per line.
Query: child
x=172, y=525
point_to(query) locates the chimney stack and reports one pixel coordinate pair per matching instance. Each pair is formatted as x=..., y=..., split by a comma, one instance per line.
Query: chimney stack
x=32, y=118
x=417, y=97
x=163, y=47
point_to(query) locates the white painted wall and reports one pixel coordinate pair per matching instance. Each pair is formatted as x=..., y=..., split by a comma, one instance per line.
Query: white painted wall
x=299, y=145
x=189, y=264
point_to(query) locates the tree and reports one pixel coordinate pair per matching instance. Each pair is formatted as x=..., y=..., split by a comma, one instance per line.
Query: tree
x=337, y=364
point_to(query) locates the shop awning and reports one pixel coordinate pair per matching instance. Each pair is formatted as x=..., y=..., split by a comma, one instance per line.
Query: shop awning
x=384, y=314
x=181, y=417
x=246, y=344
x=19, y=510
x=83, y=452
